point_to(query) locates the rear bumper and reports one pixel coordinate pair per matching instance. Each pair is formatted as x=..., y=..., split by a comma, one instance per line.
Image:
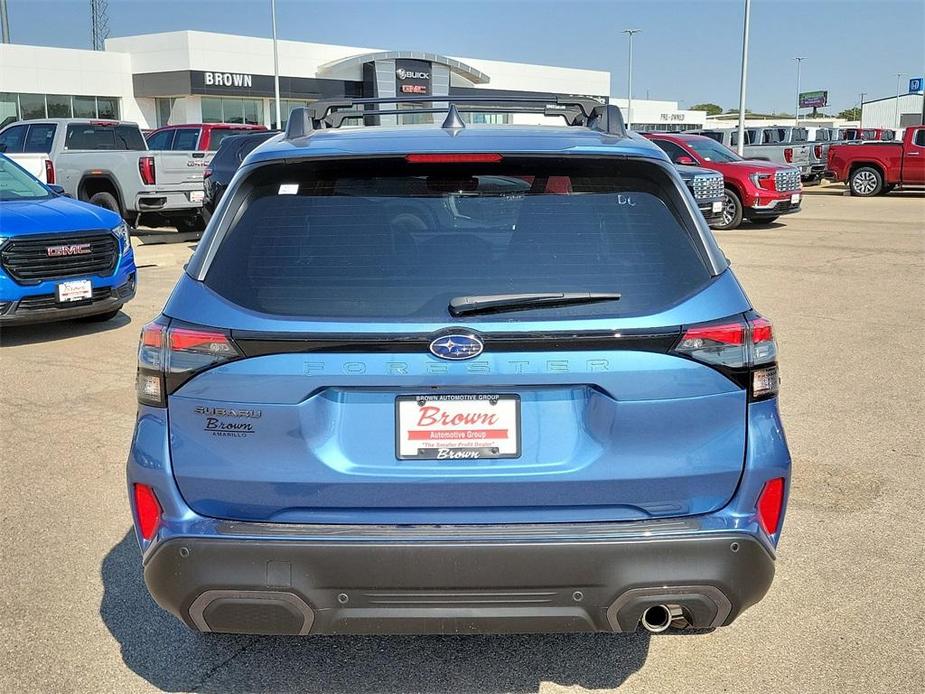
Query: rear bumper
x=553, y=581
x=167, y=201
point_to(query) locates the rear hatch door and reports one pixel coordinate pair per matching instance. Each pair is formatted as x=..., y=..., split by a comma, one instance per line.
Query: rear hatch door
x=358, y=397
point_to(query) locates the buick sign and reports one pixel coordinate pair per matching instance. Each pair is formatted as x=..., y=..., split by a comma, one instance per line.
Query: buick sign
x=456, y=347
x=404, y=74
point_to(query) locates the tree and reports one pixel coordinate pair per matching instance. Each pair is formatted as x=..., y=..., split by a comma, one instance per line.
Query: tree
x=853, y=113
x=711, y=109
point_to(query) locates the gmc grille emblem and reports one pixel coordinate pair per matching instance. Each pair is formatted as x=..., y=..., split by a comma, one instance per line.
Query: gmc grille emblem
x=69, y=249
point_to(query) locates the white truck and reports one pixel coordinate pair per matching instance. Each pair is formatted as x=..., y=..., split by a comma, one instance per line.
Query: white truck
x=108, y=164
x=36, y=163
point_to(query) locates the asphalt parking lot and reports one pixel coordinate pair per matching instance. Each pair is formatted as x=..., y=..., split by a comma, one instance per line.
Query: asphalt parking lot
x=844, y=283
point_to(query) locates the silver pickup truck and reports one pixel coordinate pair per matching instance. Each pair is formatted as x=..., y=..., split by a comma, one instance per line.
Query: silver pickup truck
x=108, y=164
x=772, y=144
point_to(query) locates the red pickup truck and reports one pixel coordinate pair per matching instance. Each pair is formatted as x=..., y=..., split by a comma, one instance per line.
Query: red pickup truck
x=875, y=168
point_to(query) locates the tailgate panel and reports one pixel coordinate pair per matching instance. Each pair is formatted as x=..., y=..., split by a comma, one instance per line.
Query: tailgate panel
x=605, y=435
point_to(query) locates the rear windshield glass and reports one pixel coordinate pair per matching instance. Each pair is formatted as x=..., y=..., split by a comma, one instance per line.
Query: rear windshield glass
x=397, y=241
x=110, y=137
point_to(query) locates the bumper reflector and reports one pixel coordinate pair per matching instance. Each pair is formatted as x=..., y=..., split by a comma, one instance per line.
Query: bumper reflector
x=147, y=511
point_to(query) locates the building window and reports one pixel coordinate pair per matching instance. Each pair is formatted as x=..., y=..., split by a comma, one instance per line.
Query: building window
x=58, y=106
x=231, y=110
x=32, y=106
x=163, y=108
x=285, y=108
x=15, y=107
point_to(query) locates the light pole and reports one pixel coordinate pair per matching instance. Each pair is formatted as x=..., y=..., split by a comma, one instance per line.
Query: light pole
x=4, y=22
x=629, y=90
x=861, y=117
x=896, y=110
x=796, y=112
x=742, y=80
x=279, y=120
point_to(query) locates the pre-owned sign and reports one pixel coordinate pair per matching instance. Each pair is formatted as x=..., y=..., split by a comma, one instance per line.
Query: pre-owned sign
x=814, y=99
x=413, y=77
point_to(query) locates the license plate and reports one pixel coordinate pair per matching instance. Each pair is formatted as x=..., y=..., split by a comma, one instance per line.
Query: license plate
x=717, y=206
x=196, y=196
x=795, y=198
x=78, y=290
x=457, y=427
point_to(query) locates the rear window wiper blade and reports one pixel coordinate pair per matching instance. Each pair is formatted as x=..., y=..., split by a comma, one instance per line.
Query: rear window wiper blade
x=463, y=305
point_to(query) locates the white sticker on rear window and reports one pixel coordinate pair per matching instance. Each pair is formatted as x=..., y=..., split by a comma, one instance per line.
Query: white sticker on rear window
x=288, y=188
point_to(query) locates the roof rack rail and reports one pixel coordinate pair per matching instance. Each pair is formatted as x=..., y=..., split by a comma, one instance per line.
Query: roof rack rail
x=577, y=111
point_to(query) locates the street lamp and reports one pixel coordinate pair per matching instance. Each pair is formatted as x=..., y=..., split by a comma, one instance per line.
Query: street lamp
x=279, y=120
x=741, y=144
x=861, y=117
x=796, y=112
x=629, y=97
x=896, y=109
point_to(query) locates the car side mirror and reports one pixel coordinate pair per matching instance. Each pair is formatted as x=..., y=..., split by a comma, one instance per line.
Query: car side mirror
x=58, y=190
x=685, y=161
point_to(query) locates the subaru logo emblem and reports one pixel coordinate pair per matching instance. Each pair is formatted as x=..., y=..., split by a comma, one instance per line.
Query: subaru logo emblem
x=456, y=347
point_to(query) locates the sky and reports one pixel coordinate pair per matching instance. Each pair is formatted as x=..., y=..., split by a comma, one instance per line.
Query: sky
x=687, y=51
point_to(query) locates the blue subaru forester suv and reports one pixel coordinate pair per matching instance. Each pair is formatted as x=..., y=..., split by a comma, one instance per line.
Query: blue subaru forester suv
x=454, y=379
x=59, y=258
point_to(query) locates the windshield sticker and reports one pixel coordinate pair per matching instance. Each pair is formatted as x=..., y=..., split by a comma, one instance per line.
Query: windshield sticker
x=289, y=189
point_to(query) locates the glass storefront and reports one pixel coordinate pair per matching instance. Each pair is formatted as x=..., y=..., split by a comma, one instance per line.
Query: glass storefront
x=22, y=106
x=232, y=110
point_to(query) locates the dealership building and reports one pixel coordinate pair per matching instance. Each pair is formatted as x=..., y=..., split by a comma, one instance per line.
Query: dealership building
x=192, y=77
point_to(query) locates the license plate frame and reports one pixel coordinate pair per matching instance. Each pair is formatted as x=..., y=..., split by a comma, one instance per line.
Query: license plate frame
x=457, y=443
x=795, y=199
x=197, y=196
x=73, y=291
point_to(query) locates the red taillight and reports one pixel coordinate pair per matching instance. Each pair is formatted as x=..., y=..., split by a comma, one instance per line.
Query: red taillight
x=49, y=171
x=728, y=334
x=147, y=510
x=770, y=505
x=146, y=169
x=743, y=350
x=817, y=150
x=469, y=158
x=207, y=173
x=170, y=356
x=200, y=341
x=788, y=154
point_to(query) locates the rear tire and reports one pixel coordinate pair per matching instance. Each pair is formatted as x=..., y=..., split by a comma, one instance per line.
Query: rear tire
x=865, y=182
x=189, y=224
x=102, y=317
x=106, y=201
x=732, y=212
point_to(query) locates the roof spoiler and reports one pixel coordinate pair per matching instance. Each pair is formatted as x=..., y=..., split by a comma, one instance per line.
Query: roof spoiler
x=584, y=112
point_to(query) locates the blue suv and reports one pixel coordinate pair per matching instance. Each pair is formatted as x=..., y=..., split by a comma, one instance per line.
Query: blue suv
x=59, y=258
x=457, y=379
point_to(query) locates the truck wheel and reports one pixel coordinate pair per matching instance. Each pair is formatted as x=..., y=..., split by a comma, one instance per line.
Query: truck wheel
x=732, y=212
x=107, y=201
x=865, y=182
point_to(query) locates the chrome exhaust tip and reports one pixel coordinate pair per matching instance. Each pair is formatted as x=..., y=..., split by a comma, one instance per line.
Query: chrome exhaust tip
x=656, y=618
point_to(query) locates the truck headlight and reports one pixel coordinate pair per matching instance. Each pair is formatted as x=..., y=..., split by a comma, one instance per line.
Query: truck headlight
x=121, y=232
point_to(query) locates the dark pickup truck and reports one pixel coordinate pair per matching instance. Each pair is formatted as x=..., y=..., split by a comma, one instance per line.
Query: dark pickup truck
x=875, y=168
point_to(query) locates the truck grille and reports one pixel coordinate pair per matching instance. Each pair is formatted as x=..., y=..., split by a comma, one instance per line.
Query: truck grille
x=707, y=187
x=787, y=179
x=33, y=259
